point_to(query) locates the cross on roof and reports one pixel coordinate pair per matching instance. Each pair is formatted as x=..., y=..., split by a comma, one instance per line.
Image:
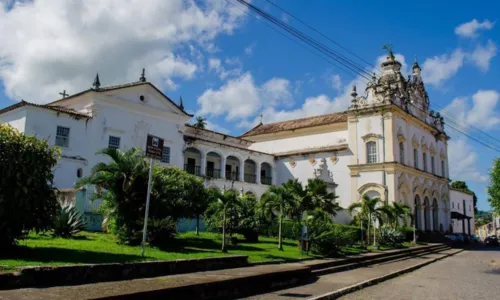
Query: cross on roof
x=63, y=94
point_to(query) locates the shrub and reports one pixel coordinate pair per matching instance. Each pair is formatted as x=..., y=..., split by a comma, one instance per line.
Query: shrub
x=330, y=242
x=234, y=240
x=161, y=232
x=27, y=196
x=407, y=232
x=290, y=229
x=68, y=222
x=390, y=236
x=352, y=233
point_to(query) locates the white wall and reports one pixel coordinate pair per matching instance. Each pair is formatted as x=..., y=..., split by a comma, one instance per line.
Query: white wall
x=311, y=140
x=456, y=199
x=15, y=118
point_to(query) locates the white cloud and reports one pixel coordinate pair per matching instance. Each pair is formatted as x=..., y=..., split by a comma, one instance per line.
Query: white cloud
x=482, y=56
x=250, y=49
x=481, y=113
x=437, y=69
x=57, y=44
x=463, y=164
x=336, y=82
x=470, y=29
x=215, y=127
x=241, y=97
x=215, y=64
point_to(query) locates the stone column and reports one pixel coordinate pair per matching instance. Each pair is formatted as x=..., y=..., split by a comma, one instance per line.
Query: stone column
x=273, y=175
x=223, y=167
x=203, y=164
x=242, y=171
x=257, y=172
x=422, y=217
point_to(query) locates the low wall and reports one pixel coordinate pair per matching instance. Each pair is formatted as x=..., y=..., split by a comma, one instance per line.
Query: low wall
x=91, y=273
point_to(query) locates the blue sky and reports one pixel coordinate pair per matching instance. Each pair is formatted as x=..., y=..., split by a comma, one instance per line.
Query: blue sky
x=230, y=67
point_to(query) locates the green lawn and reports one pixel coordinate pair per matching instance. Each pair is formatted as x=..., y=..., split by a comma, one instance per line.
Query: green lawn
x=89, y=247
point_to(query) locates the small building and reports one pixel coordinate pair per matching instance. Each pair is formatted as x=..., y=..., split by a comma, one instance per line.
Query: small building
x=462, y=211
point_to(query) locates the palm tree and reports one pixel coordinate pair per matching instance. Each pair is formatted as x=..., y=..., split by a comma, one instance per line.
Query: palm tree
x=401, y=211
x=372, y=210
x=200, y=122
x=278, y=199
x=124, y=180
x=224, y=201
x=318, y=197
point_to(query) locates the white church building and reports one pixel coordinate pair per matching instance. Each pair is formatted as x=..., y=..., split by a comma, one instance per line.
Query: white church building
x=387, y=144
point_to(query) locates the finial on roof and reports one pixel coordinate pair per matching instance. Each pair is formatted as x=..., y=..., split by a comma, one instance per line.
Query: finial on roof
x=353, y=93
x=415, y=64
x=181, y=105
x=97, y=82
x=63, y=94
x=143, y=75
x=388, y=47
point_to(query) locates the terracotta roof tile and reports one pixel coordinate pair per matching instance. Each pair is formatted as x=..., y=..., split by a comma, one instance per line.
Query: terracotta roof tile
x=49, y=107
x=297, y=124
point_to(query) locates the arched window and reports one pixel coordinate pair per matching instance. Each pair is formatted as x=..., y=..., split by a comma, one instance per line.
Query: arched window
x=433, y=165
x=417, y=212
x=402, y=152
x=371, y=152
x=415, y=158
x=424, y=161
x=442, y=168
x=79, y=173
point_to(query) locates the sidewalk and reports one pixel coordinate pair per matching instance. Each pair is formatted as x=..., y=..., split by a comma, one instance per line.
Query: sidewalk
x=335, y=282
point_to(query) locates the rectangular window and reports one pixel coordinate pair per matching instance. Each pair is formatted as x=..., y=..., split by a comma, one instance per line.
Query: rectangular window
x=62, y=137
x=442, y=168
x=114, y=142
x=165, y=156
x=433, y=165
x=424, y=161
x=402, y=153
x=415, y=158
x=452, y=204
x=371, y=152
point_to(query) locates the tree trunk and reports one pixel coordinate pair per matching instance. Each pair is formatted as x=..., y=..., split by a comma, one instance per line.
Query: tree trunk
x=368, y=230
x=374, y=235
x=280, y=242
x=197, y=225
x=224, y=232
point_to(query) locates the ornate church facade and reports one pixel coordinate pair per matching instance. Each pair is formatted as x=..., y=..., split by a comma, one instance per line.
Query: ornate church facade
x=387, y=144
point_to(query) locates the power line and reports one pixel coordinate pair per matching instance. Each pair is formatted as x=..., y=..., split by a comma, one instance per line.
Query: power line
x=352, y=73
x=351, y=65
x=320, y=33
x=310, y=41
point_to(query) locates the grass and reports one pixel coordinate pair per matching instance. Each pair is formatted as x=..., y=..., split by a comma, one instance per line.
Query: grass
x=89, y=247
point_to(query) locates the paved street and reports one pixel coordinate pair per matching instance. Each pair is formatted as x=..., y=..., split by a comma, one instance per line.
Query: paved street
x=468, y=275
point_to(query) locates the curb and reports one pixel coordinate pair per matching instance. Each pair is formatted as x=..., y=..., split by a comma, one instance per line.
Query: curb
x=358, y=286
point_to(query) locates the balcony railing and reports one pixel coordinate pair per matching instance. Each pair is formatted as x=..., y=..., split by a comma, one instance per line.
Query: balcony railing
x=250, y=178
x=232, y=176
x=195, y=170
x=266, y=180
x=213, y=173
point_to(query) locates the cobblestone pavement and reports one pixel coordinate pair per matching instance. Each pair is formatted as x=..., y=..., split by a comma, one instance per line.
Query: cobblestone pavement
x=471, y=274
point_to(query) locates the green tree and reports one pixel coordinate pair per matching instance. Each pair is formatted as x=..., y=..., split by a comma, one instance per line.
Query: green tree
x=462, y=185
x=200, y=122
x=494, y=187
x=372, y=209
x=278, y=199
x=318, y=197
x=225, y=204
x=27, y=195
x=124, y=183
x=400, y=211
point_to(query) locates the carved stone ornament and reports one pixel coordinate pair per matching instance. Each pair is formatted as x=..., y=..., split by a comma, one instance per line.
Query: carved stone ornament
x=293, y=163
x=312, y=160
x=414, y=142
x=442, y=154
x=432, y=150
x=334, y=159
x=425, y=148
x=401, y=138
x=324, y=174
